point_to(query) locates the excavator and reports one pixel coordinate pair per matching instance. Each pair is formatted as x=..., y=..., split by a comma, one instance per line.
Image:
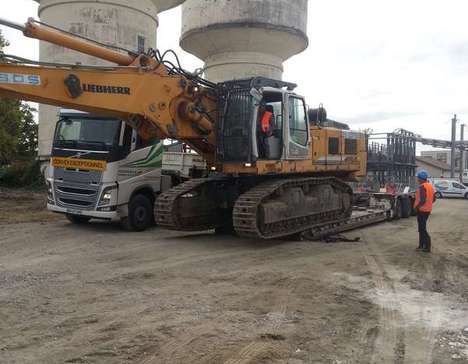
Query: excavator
x=267, y=186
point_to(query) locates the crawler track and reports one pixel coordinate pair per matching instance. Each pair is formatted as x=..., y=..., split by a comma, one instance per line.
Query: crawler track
x=168, y=214
x=272, y=209
x=247, y=214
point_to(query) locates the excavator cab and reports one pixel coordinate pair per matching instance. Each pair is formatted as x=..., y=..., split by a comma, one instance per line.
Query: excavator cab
x=245, y=136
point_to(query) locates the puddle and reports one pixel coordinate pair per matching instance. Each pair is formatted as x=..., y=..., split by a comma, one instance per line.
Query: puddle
x=417, y=308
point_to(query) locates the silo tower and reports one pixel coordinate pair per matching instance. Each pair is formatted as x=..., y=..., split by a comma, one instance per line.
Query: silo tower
x=130, y=24
x=244, y=38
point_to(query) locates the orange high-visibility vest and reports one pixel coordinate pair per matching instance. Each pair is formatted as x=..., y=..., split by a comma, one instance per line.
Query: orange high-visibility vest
x=266, y=119
x=427, y=205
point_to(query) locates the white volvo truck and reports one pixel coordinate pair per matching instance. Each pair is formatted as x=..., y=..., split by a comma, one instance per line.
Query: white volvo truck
x=101, y=169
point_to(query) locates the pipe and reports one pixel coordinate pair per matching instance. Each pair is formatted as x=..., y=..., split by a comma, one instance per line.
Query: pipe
x=452, y=149
x=11, y=24
x=462, y=152
x=37, y=31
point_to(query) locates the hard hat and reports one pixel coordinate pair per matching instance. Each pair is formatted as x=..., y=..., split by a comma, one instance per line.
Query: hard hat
x=422, y=175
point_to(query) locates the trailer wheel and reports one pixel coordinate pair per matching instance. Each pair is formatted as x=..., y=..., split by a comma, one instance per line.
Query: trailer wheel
x=405, y=207
x=140, y=214
x=77, y=220
x=397, y=210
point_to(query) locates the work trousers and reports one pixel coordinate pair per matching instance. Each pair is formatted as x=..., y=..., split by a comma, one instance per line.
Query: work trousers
x=424, y=238
x=263, y=147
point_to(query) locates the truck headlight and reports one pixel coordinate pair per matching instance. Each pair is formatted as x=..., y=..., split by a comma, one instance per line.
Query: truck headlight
x=106, y=196
x=50, y=193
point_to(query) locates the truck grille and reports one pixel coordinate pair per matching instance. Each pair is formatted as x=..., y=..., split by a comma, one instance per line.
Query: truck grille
x=82, y=197
x=76, y=189
x=80, y=203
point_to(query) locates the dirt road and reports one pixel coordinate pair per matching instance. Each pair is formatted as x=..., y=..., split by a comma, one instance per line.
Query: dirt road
x=96, y=294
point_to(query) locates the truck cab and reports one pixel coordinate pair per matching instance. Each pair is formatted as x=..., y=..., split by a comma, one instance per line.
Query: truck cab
x=101, y=169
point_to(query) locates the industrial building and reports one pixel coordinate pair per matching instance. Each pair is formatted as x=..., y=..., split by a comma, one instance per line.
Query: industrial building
x=240, y=39
x=444, y=156
x=435, y=168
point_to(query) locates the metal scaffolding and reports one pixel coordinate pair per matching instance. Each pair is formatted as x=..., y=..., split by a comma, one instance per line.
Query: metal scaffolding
x=391, y=157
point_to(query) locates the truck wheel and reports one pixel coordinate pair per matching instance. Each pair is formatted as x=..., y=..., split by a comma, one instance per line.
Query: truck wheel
x=77, y=220
x=405, y=207
x=140, y=214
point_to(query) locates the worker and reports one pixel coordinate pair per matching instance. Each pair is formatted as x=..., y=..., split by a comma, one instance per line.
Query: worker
x=266, y=117
x=425, y=197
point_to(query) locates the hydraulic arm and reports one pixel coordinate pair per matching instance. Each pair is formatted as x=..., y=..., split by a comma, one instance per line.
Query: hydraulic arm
x=155, y=97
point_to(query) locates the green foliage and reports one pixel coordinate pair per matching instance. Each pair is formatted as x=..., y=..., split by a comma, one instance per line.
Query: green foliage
x=27, y=133
x=3, y=41
x=22, y=174
x=18, y=142
x=10, y=119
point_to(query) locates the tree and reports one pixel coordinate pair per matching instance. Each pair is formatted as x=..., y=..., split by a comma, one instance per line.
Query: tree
x=3, y=42
x=18, y=130
x=28, y=132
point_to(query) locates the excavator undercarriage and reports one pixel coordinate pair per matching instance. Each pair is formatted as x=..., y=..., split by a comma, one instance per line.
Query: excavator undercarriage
x=272, y=208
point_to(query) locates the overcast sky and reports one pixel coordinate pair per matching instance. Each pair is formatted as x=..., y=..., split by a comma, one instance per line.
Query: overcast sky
x=375, y=64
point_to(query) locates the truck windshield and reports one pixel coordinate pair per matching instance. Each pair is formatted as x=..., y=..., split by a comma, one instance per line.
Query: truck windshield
x=87, y=133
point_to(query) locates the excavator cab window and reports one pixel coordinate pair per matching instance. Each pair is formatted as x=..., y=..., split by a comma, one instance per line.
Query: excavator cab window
x=270, y=126
x=298, y=121
x=297, y=146
x=243, y=134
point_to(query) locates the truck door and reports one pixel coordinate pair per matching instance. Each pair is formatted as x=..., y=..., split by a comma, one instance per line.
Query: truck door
x=296, y=129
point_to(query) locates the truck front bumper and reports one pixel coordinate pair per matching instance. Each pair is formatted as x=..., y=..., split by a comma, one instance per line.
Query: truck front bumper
x=103, y=215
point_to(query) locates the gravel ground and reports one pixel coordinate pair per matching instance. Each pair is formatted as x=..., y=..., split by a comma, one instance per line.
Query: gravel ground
x=96, y=294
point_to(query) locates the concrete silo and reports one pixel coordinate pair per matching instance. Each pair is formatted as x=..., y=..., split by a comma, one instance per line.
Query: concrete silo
x=131, y=24
x=244, y=38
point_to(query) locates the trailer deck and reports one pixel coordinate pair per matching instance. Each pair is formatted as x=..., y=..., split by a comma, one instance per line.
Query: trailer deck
x=359, y=219
x=380, y=207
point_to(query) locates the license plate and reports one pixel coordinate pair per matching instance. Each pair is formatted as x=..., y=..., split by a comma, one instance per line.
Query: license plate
x=74, y=212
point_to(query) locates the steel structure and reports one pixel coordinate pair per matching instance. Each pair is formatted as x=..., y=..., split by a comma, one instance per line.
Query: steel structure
x=391, y=157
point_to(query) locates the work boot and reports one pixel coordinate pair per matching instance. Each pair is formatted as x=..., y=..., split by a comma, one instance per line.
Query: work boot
x=419, y=248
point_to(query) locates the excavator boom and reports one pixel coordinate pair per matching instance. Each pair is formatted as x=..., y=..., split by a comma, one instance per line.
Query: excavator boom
x=142, y=90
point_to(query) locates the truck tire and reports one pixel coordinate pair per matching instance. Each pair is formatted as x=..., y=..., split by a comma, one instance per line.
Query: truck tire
x=405, y=207
x=438, y=195
x=77, y=220
x=140, y=214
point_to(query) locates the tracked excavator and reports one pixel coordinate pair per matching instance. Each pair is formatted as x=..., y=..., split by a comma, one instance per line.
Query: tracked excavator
x=275, y=185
